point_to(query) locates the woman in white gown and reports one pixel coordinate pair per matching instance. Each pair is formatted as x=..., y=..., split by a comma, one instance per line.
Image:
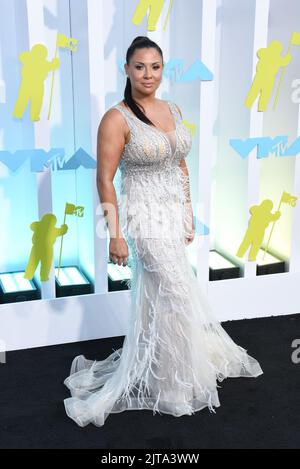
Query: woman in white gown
x=175, y=350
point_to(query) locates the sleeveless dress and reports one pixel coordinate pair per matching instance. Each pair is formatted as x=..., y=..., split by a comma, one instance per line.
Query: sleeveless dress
x=175, y=350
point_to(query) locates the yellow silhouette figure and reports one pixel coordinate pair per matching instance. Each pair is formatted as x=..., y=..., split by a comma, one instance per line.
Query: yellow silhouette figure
x=34, y=72
x=261, y=217
x=155, y=7
x=43, y=239
x=270, y=60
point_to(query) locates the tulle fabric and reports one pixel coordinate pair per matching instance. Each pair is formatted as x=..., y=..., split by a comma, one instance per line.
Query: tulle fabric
x=175, y=351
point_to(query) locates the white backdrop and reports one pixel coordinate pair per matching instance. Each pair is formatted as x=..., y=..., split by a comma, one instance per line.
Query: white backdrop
x=225, y=35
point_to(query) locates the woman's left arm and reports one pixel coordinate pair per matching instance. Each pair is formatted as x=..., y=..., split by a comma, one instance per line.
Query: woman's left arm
x=186, y=184
x=188, y=208
x=189, y=218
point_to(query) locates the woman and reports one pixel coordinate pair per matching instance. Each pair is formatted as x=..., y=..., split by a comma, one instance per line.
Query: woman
x=175, y=350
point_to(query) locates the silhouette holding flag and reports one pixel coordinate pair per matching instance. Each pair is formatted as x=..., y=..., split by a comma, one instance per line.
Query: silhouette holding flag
x=261, y=216
x=270, y=60
x=43, y=239
x=34, y=72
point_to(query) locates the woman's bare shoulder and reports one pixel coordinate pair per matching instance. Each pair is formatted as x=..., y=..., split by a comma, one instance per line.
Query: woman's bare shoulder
x=113, y=115
x=113, y=123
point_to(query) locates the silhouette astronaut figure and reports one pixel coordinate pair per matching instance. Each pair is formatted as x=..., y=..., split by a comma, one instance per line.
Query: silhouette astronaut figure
x=270, y=60
x=43, y=239
x=34, y=72
x=259, y=221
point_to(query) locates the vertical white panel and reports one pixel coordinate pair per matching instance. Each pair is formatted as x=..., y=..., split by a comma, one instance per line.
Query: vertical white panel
x=256, y=118
x=295, y=247
x=38, y=34
x=97, y=89
x=235, y=26
x=206, y=140
x=213, y=220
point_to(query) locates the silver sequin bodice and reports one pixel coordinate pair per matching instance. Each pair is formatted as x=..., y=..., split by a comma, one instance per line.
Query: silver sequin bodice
x=151, y=149
x=152, y=182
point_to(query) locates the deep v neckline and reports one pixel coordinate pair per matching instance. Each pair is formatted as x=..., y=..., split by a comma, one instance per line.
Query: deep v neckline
x=162, y=132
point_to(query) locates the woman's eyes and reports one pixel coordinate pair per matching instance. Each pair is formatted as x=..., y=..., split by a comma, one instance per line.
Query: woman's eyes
x=140, y=66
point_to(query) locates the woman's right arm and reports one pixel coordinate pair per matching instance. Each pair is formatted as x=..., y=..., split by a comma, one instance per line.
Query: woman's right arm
x=110, y=144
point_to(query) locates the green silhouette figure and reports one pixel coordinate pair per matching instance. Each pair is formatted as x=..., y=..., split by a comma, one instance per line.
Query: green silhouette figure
x=43, y=239
x=34, y=72
x=259, y=221
x=270, y=60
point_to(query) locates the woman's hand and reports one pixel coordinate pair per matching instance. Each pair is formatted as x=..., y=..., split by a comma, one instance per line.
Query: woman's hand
x=190, y=237
x=189, y=227
x=118, y=251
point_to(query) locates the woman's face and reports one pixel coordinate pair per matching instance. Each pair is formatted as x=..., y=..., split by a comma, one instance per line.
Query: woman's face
x=145, y=68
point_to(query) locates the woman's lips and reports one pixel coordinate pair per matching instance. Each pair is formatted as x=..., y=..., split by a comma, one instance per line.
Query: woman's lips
x=148, y=85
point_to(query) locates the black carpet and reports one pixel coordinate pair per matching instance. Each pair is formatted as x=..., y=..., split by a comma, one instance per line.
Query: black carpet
x=254, y=413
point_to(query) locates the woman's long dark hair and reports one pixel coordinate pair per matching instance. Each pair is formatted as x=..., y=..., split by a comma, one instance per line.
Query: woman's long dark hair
x=140, y=42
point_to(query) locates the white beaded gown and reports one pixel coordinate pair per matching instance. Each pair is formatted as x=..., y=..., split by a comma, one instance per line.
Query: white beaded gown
x=175, y=350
